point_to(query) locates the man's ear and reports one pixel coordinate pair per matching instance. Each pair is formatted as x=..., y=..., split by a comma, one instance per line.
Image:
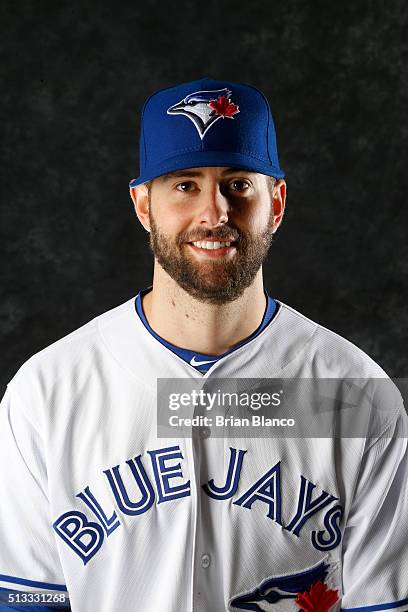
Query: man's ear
x=278, y=202
x=140, y=199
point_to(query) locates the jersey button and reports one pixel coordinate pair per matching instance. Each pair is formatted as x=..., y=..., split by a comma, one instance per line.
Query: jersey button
x=205, y=432
x=205, y=561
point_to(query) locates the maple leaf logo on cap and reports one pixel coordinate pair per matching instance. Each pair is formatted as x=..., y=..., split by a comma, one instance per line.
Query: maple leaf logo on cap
x=224, y=107
x=319, y=598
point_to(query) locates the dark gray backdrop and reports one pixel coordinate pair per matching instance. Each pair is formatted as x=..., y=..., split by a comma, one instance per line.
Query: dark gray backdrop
x=73, y=83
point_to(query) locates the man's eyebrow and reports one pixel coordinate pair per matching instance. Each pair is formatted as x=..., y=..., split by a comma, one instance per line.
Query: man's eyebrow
x=181, y=173
x=195, y=173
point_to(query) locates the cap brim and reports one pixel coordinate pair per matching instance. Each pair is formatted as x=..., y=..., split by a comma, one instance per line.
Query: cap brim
x=202, y=159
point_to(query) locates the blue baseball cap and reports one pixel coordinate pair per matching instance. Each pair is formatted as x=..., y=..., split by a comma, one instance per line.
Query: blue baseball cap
x=207, y=123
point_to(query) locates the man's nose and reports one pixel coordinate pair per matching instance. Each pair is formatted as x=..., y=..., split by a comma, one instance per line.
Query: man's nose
x=214, y=207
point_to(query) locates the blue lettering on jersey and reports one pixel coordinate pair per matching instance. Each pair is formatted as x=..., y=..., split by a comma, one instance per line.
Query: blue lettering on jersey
x=268, y=490
x=83, y=536
x=109, y=524
x=306, y=506
x=138, y=495
x=231, y=484
x=331, y=521
x=164, y=473
x=119, y=490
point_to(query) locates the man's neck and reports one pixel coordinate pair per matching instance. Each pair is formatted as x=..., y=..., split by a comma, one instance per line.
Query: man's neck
x=206, y=328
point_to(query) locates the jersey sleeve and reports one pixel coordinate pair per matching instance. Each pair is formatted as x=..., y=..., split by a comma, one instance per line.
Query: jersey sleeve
x=29, y=562
x=375, y=542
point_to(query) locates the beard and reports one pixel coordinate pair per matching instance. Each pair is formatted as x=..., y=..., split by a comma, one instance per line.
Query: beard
x=216, y=281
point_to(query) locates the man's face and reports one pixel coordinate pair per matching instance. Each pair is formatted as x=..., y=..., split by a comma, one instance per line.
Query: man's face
x=212, y=207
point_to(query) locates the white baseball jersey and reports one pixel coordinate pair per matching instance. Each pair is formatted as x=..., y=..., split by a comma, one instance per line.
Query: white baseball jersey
x=93, y=503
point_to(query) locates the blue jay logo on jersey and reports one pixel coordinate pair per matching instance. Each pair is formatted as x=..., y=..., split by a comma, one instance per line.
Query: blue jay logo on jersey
x=281, y=590
x=204, y=108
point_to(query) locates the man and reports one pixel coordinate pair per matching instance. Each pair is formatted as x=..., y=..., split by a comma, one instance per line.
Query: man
x=95, y=504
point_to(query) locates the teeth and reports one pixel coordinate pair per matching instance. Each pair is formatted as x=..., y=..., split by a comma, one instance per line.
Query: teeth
x=211, y=245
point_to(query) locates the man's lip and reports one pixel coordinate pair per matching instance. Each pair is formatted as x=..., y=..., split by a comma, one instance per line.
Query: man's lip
x=221, y=251
x=212, y=240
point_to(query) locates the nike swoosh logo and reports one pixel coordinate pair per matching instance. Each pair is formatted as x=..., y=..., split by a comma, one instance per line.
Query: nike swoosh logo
x=194, y=362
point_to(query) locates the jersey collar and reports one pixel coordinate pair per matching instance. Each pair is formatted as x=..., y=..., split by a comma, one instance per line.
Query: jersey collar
x=201, y=362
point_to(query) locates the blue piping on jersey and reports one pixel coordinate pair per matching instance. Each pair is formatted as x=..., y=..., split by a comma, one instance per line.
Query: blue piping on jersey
x=376, y=607
x=186, y=354
x=33, y=583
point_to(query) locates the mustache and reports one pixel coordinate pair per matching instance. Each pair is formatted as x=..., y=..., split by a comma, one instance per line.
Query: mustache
x=201, y=234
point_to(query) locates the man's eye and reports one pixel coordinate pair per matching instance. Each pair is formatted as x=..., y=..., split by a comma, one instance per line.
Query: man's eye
x=239, y=185
x=186, y=186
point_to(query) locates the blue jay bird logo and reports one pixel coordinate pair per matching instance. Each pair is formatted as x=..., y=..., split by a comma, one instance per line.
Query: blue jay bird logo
x=283, y=590
x=204, y=108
